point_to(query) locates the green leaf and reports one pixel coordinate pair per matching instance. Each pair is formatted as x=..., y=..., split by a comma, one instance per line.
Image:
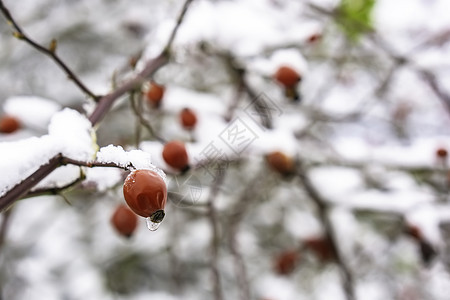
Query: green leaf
x=355, y=17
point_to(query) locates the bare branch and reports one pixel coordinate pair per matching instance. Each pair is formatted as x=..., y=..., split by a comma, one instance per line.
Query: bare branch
x=50, y=51
x=177, y=26
x=215, y=239
x=323, y=208
x=142, y=120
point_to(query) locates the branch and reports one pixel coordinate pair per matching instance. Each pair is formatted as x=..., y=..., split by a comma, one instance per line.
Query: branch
x=104, y=105
x=431, y=79
x=177, y=26
x=22, y=189
x=215, y=239
x=244, y=203
x=4, y=226
x=50, y=51
x=106, y=102
x=55, y=190
x=239, y=72
x=330, y=235
x=143, y=121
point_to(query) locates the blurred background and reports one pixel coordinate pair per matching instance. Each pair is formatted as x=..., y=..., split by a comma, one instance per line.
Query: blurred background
x=331, y=185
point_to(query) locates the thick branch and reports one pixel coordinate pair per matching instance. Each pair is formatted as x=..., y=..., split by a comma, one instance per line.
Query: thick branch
x=23, y=187
x=107, y=101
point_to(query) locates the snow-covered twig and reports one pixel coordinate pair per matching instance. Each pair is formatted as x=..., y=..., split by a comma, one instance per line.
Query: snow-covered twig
x=23, y=188
x=103, y=106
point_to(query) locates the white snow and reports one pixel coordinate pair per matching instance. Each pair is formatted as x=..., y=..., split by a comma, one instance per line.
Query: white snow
x=32, y=111
x=69, y=134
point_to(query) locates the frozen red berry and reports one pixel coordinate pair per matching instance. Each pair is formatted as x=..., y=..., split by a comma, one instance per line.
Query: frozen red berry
x=146, y=194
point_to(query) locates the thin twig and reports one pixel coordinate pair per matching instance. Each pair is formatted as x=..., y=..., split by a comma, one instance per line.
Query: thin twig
x=31, y=181
x=177, y=26
x=142, y=121
x=215, y=238
x=54, y=190
x=104, y=105
x=50, y=51
x=4, y=226
x=330, y=235
x=239, y=72
x=242, y=207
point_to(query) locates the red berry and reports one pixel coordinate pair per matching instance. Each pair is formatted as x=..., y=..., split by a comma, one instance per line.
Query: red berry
x=155, y=94
x=321, y=247
x=415, y=232
x=9, y=124
x=124, y=220
x=281, y=163
x=287, y=76
x=146, y=194
x=286, y=262
x=441, y=153
x=188, y=118
x=314, y=37
x=175, y=155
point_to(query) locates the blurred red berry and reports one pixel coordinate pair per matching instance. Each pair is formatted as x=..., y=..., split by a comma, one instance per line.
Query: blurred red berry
x=314, y=37
x=124, y=220
x=280, y=162
x=286, y=262
x=321, y=247
x=155, y=93
x=441, y=153
x=175, y=155
x=287, y=76
x=9, y=124
x=188, y=118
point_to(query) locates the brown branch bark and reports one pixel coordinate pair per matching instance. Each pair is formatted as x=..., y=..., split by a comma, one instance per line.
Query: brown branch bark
x=215, y=237
x=50, y=51
x=322, y=207
x=104, y=104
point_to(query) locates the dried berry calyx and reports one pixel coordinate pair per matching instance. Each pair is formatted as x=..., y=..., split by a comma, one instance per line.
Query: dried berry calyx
x=146, y=194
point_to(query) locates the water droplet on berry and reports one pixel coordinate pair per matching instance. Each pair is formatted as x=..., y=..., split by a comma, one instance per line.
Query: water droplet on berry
x=152, y=226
